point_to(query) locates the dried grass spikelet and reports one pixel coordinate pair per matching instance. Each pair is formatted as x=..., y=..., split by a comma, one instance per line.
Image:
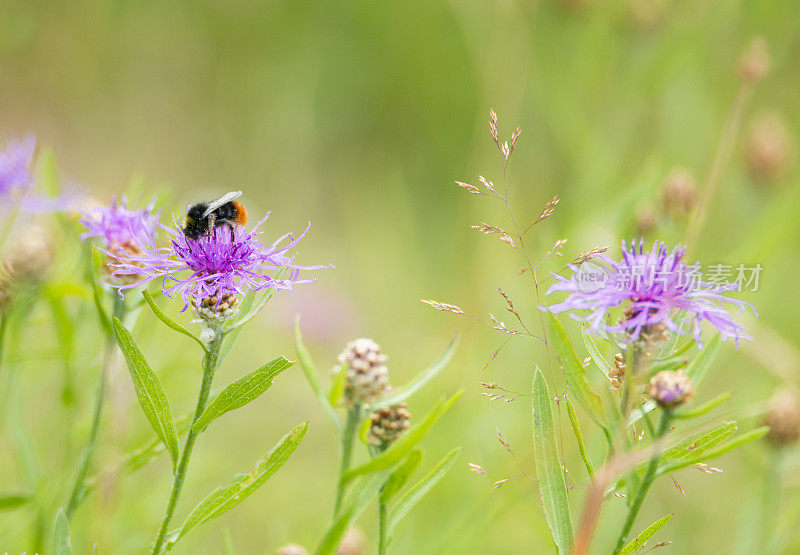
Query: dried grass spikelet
x=292, y=549
x=367, y=376
x=783, y=418
x=670, y=388
x=679, y=192
x=754, y=61
x=388, y=424
x=617, y=374
x=31, y=255
x=768, y=146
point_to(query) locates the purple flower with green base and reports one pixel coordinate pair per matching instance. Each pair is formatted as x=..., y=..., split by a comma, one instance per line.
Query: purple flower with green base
x=224, y=262
x=117, y=225
x=654, y=286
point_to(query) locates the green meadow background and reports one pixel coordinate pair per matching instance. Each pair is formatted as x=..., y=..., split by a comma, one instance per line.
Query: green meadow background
x=358, y=116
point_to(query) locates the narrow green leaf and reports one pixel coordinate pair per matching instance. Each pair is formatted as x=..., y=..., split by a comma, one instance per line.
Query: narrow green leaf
x=161, y=315
x=337, y=389
x=642, y=537
x=576, y=429
x=97, y=292
x=402, y=393
x=594, y=352
x=402, y=446
x=574, y=372
x=354, y=504
x=698, y=368
x=61, y=541
x=242, y=391
x=258, y=304
x=698, y=442
x=709, y=454
x=548, y=467
x=420, y=489
x=401, y=475
x=223, y=499
x=313, y=378
x=672, y=363
x=148, y=387
x=9, y=501
x=703, y=409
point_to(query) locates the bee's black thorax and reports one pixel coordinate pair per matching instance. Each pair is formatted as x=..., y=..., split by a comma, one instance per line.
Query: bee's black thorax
x=197, y=225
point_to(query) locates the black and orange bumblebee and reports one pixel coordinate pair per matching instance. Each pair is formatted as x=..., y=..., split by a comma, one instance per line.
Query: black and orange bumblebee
x=203, y=217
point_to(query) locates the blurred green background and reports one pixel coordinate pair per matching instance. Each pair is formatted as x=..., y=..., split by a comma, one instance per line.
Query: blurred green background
x=358, y=116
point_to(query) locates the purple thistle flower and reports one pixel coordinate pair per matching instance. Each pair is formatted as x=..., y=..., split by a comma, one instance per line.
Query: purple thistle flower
x=656, y=285
x=16, y=181
x=15, y=166
x=223, y=262
x=117, y=225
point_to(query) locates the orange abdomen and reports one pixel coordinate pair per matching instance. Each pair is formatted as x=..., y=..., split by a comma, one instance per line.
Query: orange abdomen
x=241, y=214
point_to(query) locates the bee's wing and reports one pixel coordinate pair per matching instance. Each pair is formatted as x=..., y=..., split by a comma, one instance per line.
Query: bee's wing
x=220, y=201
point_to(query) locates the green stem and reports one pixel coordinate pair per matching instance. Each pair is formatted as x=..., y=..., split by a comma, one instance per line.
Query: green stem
x=382, y=514
x=351, y=426
x=209, y=367
x=79, y=486
x=649, y=477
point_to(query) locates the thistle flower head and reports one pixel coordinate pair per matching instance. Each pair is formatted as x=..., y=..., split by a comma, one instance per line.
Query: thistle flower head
x=15, y=166
x=653, y=286
x=388, y=424
x=783, y=418
x=116, y=225
x=225, y=261
x=367, y=376
x=670, y=388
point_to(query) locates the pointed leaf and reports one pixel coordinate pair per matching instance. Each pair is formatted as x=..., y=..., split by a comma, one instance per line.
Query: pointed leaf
x=594, y=352
x=161, y=315
x=9, y=501
x=698, y=368
x=241, y=392
x=61, y=541
x=642, y=537
x=418, y=490
x=337, y=389
x=313, y=378
x=401, y=394
x=402, y=446
x=148, y=387
x=698, y=442
x=703, y=409
x=708, y=454
x=223, y=499
x=548, y=467
x=574, y=371
x=576, y=429
x=401, y=475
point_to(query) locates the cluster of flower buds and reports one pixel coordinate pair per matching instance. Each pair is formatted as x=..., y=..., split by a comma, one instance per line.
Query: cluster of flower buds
x=388, y=424
x=367, y=376
x=215, y=310
x=670, y=388
x=783, y=419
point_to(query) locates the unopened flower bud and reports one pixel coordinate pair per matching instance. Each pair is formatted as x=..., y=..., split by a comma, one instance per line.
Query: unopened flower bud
x=366, y=373
x=645, y=220
x=670, y=388
x=217, y=311
x=754, y=61
x=783, y=418
x=388, y=424
x=292, y=549
x=31, y=255
x=680, y=192
x=768, y=146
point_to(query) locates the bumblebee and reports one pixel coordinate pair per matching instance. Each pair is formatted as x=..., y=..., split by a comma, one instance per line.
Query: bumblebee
x=203, y=217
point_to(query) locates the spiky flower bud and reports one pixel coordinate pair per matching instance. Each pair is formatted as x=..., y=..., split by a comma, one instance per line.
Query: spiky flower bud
x=217, y=311
x=768, y=147
x=292, y=549
x=31, y=255
x=783, y=418
x=754, y=61
x=680, y=192
x=366, y=373
x=670, y=388
x=388, y=424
